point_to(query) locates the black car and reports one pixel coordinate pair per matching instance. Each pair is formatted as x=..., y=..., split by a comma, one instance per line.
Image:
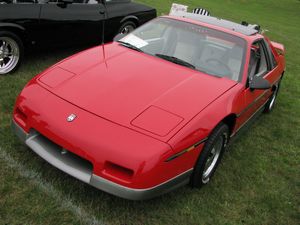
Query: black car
x=44, y=23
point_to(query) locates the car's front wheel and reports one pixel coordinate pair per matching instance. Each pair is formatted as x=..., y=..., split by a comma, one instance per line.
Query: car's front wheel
x=127, y=27
x=11, y=51
x=210, y=156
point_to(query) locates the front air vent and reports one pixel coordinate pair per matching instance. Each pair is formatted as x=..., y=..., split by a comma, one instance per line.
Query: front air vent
x=20, y=117
x=117, y=171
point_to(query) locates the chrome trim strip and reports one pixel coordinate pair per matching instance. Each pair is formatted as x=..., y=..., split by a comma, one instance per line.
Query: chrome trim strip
x=186, y=150
x=200, y=142
x=48, y=151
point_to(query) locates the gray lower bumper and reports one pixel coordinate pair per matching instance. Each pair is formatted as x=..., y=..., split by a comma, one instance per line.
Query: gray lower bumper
x=140, y=194
x=83, y=170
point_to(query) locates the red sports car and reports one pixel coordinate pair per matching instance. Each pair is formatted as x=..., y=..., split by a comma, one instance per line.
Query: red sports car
x=155, y=110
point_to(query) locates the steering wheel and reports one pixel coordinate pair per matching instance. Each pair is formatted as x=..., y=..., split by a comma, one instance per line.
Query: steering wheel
x=221, y=68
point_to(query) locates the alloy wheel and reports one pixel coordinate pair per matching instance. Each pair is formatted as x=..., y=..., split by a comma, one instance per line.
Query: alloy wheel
x=9, y=54
x=212, y=159
x=127, y=29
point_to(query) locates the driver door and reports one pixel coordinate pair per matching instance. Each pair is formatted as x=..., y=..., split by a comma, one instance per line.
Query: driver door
x=72, y=22
x=260, y=65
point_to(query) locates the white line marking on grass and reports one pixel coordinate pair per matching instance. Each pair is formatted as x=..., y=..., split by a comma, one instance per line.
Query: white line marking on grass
x=62, y=200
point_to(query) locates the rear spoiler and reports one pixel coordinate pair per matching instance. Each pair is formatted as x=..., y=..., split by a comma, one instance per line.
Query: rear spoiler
x=279, y=47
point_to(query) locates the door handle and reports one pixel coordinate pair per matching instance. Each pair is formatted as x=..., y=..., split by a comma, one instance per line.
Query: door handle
x=102, y=11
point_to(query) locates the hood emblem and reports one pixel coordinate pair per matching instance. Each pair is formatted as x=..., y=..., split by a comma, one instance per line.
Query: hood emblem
x=71, y=118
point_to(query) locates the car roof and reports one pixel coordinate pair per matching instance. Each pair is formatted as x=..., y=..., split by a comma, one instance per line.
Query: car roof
x=226, y=24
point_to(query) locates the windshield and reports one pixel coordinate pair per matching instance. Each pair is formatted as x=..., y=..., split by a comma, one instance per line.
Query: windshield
x=210, y=51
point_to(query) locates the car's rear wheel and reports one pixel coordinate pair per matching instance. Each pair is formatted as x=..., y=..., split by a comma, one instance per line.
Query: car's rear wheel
x=210, y=156
x=271, y=102
x=11, y=52
x=127, y=27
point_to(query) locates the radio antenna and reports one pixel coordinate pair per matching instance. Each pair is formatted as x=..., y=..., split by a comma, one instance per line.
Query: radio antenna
x=103, y=11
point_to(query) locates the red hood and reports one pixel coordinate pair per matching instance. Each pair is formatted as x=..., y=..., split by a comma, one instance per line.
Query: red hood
x=133, y=89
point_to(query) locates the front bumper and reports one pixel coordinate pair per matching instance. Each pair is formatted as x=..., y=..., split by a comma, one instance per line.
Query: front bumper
x=83, y=170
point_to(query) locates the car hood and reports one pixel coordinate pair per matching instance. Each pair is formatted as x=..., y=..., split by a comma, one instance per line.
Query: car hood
x=133, y=89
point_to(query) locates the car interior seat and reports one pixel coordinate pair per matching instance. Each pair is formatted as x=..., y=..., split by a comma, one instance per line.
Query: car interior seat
x=187, y=46
x=235, y=57
x=170, y=42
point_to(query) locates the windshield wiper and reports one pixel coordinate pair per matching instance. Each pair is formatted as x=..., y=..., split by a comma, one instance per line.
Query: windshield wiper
x=128, y=45
x=176, y=60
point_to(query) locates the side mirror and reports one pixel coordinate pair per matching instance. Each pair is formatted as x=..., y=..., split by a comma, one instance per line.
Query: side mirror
x=118, y=37
x=259, y=83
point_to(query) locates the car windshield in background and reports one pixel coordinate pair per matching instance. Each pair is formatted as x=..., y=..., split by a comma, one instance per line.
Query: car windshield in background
x=207, y=50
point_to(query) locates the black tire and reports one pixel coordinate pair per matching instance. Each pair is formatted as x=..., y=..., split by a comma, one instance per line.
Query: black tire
x=14, y=47
x=216, y=144
x=272, y=100
x=127, y=27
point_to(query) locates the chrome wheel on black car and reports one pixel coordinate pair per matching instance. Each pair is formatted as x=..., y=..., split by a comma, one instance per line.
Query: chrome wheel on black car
x=127, y=27
x=11, y=50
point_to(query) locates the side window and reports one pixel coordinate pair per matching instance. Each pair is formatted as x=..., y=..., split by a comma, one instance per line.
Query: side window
x=273, y=62
x=259, y=64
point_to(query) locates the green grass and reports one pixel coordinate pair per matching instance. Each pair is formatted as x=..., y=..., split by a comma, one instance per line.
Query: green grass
x=257, y=183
